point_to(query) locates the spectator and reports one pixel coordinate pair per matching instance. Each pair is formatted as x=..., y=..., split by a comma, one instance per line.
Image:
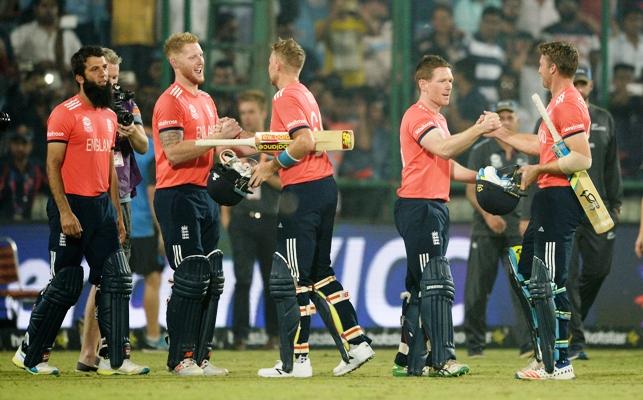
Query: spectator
x=627, y=46
x=22, y=177
x=224, y=80
x=225, y=38
x=487, y=54
x=470, y=103
x=626, y=103
x=468, y=13
x=571, y=28
x=535, y=15
x=43, y=39
x=343, y=33
x=445, y=39
x=377, y=61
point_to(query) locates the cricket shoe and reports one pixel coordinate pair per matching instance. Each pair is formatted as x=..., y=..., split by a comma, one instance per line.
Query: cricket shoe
x=357, y=356
x=302, y=368
x=534, y=365
x=212, y=370
x=41, y=369
x=127, y=368
x=562, y=372
x=188, y=367
x=400, y=371
x=450, y=369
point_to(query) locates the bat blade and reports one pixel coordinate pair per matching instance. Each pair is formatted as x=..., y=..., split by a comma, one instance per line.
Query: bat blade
x=334, y=140
x=591, y=202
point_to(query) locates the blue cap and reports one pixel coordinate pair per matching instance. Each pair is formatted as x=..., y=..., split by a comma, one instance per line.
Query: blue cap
x=583, y=73
x=506, y=105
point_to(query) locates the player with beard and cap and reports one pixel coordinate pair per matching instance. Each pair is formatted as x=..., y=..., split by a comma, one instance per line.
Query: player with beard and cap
x=81, y=133
x=188, y=216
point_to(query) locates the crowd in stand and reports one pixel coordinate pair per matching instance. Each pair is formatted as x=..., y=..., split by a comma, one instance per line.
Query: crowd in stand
x=490, y=43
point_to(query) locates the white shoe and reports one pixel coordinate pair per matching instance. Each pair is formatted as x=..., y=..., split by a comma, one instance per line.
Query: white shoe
x=534, y=365
x=127, y=368
x=358, y=356
x=302, y=368
x=450, y=369
x=561, y=374
x=188, y=367
x=41, y=369
x=212, y=370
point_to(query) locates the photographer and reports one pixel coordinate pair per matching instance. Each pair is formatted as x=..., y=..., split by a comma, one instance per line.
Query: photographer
x=131, y=137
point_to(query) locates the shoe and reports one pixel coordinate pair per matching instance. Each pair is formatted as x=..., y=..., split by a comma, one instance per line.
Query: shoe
x=302, y=368
x=188, y=367
x=526, y=353
x=212, y=370
x=399, y=370
x=82, y=367
x=534, y=365
x=41, y=369
x=451, y=369
x=127, y=368
x=358, y=356
x=475, y=353
x=154, y=345
x=562, y=372
x=576, y=353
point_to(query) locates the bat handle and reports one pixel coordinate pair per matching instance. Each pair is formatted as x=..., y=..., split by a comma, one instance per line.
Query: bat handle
x=560, y=149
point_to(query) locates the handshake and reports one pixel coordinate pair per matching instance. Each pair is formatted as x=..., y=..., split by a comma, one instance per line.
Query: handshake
x=489, y=122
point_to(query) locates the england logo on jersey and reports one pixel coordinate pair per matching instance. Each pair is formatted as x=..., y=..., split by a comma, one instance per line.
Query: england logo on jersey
x=87, y=125
x=110, y=125
x=193, y=112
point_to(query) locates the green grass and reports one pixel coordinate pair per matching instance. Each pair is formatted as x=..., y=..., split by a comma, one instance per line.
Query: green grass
x=609, y=374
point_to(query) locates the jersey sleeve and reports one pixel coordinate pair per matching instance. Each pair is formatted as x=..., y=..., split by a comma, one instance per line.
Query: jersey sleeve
x=568, y=120
x=291, y=112
x=419, y=127
x=169, y=114
x=136, y=112
x=60, y=125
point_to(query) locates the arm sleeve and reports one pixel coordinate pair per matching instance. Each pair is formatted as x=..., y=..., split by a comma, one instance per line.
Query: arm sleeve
x=60, y=125
x=291, y=113
x=613, y=179
x=136, y=112
x=168, y=113
x=568, y=121
x=420, y=127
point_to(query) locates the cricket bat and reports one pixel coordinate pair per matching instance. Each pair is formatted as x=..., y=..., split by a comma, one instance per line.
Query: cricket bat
x=277, y=141
x=580, y=181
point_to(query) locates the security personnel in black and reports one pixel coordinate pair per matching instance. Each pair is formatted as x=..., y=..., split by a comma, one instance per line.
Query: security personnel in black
x=252, y=227
x=490, y=237
x=592, y=253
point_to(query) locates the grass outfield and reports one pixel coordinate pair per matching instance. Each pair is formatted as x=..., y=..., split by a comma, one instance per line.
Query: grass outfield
x=609, y=374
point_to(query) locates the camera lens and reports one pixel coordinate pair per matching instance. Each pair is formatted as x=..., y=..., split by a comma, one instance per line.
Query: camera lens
x=125, y=118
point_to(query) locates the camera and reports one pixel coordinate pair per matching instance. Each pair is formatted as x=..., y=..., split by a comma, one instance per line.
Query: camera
x=120, y=98
x=5, y=120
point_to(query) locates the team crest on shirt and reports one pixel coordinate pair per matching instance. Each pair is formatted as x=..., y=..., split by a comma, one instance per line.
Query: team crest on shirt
x=110, y=125
x=193, y=112
x=560, y=98
x=87, y=125
x=210, y=111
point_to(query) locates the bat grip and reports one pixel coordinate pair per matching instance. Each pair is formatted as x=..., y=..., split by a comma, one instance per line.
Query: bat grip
x=560, y=149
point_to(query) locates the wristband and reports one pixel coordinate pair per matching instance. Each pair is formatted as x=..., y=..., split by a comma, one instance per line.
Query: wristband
x=286, y=160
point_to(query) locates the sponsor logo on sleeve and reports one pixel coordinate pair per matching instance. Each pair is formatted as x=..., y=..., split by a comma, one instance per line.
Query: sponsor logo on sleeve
x=296, y=122
x=423, y=128
x=55, y=134
x=574, y=128
x=167, y=122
